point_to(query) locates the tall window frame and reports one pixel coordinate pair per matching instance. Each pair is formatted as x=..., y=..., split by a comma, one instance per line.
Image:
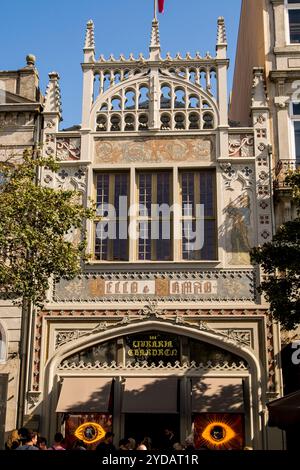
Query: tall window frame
x=295, y=132
x=293, y=28
x=109, y=185
x=198, y=187
x=151, y=185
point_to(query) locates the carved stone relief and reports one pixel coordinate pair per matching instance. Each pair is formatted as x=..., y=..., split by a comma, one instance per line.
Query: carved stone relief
x=68, y=148
x=241, y=145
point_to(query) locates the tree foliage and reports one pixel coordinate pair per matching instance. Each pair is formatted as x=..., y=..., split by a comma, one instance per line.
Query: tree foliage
x=280, y=261
x=34, y=224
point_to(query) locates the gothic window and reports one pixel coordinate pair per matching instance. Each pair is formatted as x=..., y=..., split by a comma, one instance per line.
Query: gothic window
x=194, y=101
x=143, y=122
x=179, y=121
x=102, y=352
x=293, y=10
x=101, y=123
x=115, y=121
x=194, y=121
x=129, y=122
x=166, y=122
x=295, y=118
x=130, y=99
x=116, y=104
x=198, y=215
x=144, y=98
x=208, y=121
x=154, y=218
x=179, y=98
x=165, y=100
x=111, y=231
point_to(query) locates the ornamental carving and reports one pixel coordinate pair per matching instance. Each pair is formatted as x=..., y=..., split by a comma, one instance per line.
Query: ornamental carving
x=16, y=119
x=241, y=145
x=68, y=148
x=65, y=336
x=232, y=173
x=154, y=150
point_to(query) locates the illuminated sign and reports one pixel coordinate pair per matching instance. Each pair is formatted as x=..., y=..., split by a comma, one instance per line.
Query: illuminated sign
x=153, y=347
x=89, y=433
x=219, y=432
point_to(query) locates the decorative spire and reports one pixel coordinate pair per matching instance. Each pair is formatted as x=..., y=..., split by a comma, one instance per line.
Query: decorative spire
x=89, y=35
x=89, y=44
x=52, y=102
x=259, y=96
x=155, y=41
x=221, y=39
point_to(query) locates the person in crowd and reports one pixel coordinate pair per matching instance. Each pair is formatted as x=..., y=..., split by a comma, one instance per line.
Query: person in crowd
x=124, y=444
x=169, y=439
x=23, y=432
x=79, y=445
x=58, y=442
x=147, y=441
x=141, y=447
x=132, y=443
x=13, y=440
x=177, y=446
x=189, y=443
x=30, y=442
x=42, y=443
x=107, y=444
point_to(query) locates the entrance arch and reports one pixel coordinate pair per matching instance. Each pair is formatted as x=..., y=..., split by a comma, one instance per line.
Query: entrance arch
x=254, y=384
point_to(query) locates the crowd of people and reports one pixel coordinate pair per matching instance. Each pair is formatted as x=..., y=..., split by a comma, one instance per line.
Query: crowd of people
x=25, y=439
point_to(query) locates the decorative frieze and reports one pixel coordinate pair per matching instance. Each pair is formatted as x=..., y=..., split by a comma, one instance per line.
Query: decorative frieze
x=214, y=285
x=158, y=150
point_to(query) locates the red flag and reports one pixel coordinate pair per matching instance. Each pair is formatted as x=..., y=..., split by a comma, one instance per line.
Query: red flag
x=161, y=6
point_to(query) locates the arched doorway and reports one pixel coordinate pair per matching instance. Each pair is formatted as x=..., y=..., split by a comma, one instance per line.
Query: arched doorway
x=181, y=377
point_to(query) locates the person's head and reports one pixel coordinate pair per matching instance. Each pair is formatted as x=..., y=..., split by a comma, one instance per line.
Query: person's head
x=168, y=432
x=124, y=444
x=79, y=445
x=58, y=438
x=23, y=432
x=147, y=441
x=13, y=438
x=141, y=447
x=109, y=436
x=177, y=446
x=31, y=438
x=132, y=443
x=42, y=443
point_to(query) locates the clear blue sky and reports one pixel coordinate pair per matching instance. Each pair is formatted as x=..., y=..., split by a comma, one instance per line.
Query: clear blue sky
x=54, y=32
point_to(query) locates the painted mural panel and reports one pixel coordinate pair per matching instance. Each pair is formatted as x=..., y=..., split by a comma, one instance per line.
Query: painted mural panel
x=155, y=150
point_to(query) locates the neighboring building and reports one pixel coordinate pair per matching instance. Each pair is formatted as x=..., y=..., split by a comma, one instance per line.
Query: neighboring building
x=20, y=129
x=270, y=33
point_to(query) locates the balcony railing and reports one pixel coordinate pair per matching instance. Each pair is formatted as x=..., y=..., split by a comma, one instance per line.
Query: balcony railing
x=282, y=170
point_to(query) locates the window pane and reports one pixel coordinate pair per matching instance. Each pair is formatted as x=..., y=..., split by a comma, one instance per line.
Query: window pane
x=207, y=192
x=189, y=251
x=293, y=1
x=101, y=242
x=294, y=18
x=209, y=249
x=145, y=240
x=296, y=109
x=297, y=141
x=102, y=193
x=145, y=194
x=163, y=244
x=188, y=194
x=163, y=188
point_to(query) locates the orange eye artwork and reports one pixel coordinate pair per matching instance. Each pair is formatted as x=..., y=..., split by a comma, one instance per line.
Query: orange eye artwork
x=219, y=431
x=89, y=433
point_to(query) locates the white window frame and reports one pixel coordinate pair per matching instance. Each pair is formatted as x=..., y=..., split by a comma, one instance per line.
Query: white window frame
x=288, y=7
x=293, y=118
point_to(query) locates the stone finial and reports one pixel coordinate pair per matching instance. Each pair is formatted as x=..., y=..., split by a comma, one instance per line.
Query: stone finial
x=52, y=102
x=30, y=60
x=89, y=36
x=221, y=37
x=155, y=41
